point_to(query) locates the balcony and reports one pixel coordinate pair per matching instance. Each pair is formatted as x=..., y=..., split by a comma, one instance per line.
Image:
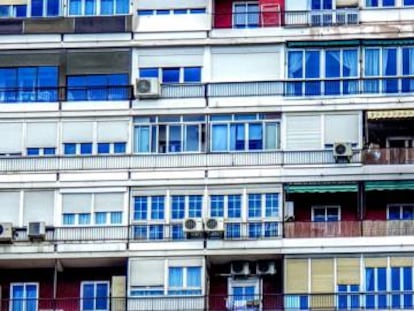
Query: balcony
x=386, y=156
x=322, y=18
x=365, y=228
x=178, y=160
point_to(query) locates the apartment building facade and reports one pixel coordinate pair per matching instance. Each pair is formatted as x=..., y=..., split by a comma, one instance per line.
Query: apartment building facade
x=206, y=155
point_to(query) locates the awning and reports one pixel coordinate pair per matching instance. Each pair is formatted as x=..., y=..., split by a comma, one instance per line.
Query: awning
x=389, y=185
x=390, y=114
x=302, y=44
x=396, y=42
x=321, y=188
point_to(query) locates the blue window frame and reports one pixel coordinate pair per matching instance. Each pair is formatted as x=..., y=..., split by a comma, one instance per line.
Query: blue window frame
x=98, y=87
x=376, y=287
x=348, y=297
x=24, y=296
x=184, y=281
x=195, y=204
x=45, y=8
x=177, y=232
x=157, y=207
x=95, y=295
x=255, y=230
x=234, y=206
x=29, y=84
x=233, y=230
x=326, y=213
x=103, y=148
x=246, y=15
x=178, y=207
x=254, y=205
x=140, y=208
x=217, y=205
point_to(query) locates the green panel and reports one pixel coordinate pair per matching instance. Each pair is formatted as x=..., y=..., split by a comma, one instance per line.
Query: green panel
x=321, y=188
x=302, y=44
x=388, y=42
x=389, y=185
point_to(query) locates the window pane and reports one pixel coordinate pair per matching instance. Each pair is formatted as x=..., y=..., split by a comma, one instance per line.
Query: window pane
x=369, y=279
x=103, y=147
x=319, y=214
x=148, y=72
x=312, y=64
x=84, y=219
x=122, y=6
x=70, y=148
x=116, y=218
x=177, y=232
x=68, y=219
x=255, y=230
x=192, y=74
x=233, y=231
x=90, y=7
x=140, y=208
x=100, y=218
x=33, y=151
x=157, y=207
x=234, y=206
x=53, y=7
x=49, y=151
x=75, y=7
x=272, y=136
x=192, y=138
x=175, y=277
x=86, y=148
x=272, y=205
x=194, y=277
x=178, y=207
x=237, y=140
x=219, y=137
x=107, y=7
x=142, y=139
x=119, y=147
x=194, y=205
x=255, y=137
x=217, y=206
x=175, y=138
x=255, y=205
x=37, y=8
x=88, y=292
x=101, y=296
x=295, y=64
x=170, y=75
x=394, y=213
x=333, y=64
x=371, y=62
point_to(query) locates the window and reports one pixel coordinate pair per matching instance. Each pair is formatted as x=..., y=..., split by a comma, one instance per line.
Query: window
x=171, y=12
x=95, y=295
x=297, y=302
x=112, y=148
x=408, y=2
x=76, y=219
x=149, y=208
x=348, y=297
x=261, y=205
x=400, y=212
x=381, y=62
x=24, y=296
x=380, y=3
x=242, y=132
x=170, y=134
x=98, y=87
x=245, y=14
x=13, y=10
x=29, y=84
x=98, y=7
x=228, y=206
x=40, y=151
x=243, y=293
x=77, y=148
x=401, y=288
x=186, y=206
x=45, y=8
x=326, y=213
x=340, y=66
x=108, y=218
x=173, y=74
x=376, y=287
x=184, y=281
x=321, y=5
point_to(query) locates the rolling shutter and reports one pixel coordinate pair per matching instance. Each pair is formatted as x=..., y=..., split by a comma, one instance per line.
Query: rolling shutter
x=41, y=134
x=296, y=276
x=38, y=206
x=148, y=272
x=348, y=270
x=11, y=134
x=303, y=132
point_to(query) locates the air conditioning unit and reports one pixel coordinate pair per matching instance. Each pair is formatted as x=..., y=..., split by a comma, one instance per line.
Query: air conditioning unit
x=214, y=224
x=37, y=230
x=265, y=267
x=289, y=211
x=192, y=225
x=6, y=231
x=147, y=88
x=240, y=268
x=342, y=151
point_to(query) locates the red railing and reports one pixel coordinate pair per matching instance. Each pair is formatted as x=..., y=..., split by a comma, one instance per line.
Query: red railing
x=388, y=156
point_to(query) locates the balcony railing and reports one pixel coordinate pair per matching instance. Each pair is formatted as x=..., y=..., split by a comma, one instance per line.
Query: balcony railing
x=355, y=300
x=178, y=160
x=388, y=156
x=321, y=18
x=348, y=228
x=252, y=19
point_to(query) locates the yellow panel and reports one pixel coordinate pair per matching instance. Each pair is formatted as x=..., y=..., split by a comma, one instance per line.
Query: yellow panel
x=348, y=271
x=322, y=272
x=376, y=262
x=390, y=114
x=14, y=2
x=296, y=276
x=401, y=261
x=323, y=302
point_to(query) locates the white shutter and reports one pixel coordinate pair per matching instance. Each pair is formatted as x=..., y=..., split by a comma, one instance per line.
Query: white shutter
x=11, y=137
x=109, y=202
x=38, y=206
x=259, y=64
x=303, y=132
x=76, y=202
x=9, y=207
x=113, y=131
x=77, y=132
x=171, y=57
x=342, y=128
x=185, y=262
x=147, y=272
x=41, y=134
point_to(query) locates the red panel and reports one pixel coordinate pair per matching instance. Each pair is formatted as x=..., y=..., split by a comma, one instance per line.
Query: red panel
x=377, y=201
x=223, y=13
x=271, y=12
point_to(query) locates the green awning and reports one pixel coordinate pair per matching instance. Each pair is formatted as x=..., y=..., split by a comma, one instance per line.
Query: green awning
x=302, y=44
x=397, y=42
x=389, y=185
x=321, y=188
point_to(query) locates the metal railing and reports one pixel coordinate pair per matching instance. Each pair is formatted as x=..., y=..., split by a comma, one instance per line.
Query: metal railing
x=322, y=18
x=348, y=228
x=351, y=300
x=388, y=156
x=252, y=19
x=178, y=160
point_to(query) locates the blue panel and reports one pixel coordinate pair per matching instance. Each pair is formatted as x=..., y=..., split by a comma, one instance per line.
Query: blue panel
x=32, y=151
x=195, y=203
x=49, y=151
x=103, y=147
x=122, y=7
x=272, y=204
x=382, y=279
x=107, y=7
x=255, y=230
x=372, y=3
x=119, y=147
x=69, y=148
x=178, y=207
x=102, y=296
x=156, y=232
x=140, y=208
x=88, y=295
x=388, y=2
x=148, y=72
x=369, y=279
x=216, y=206
x=21, y=10
x=395, y=279
x=316, y=4
x=192, y=74
x=75, y=7
x=86, y=148
x=52, y=7
x=5, y=11
x=90, y=7
x=234, y=206
x=312, y=64
x=194, y=277
x=333, y=64
x=145, y=13
x=408, y=278
x=37, y=8
x=170, y=75
x=408, y=2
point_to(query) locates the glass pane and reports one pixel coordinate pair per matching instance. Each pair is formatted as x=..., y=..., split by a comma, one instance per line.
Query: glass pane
x=394, y=212
x=37, y=8
x=216, y=206
x=234, y=206
x=75, y=7
x=101, y=296
x=157, y=207
x=177, y=232
x=178, y=207
x=192, y=138
x=237, y=139
x=272, y=136
x=219, y=137
x=333, y=64
x=116, y=218
x=140, y=208
x=195, y=205
x=192, y=74
x=69, y=148
x=84, y=219
x=142, y=139
x=254, y=205
x=100, y=218
x=295, y=64
x=272, y=205
x=194, y=277
x=119, y=147
x=122, y=6
x=319, y=214
x=148, y=72
x=88, y=292
x=170, y=75
x=232, y=231
x=175, y=138
x=255, y=137
x=107, y=7
x=103, y=147
x=53, y=7
x=175, y=277
x=86, y=148
x=312, y=64
x=90, y=7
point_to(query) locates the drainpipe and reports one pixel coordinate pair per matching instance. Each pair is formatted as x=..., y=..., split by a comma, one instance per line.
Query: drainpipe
x=361, y=204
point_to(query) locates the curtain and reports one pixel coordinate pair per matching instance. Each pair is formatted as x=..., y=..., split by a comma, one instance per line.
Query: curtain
x=408, y=69
x=175, y=277
x=142, y=139
x=372, y=70
x=350, y=69
x=389, y=68
x=312, y=70
x=332, y=70
x=194, y=277
x=219, y=137
x=295, y=70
